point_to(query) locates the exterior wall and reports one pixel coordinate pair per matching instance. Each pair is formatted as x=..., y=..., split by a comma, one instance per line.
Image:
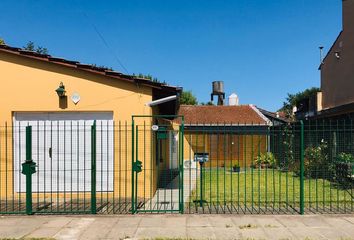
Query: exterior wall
x=29, y=85
x=225, y=149
x=337, y=75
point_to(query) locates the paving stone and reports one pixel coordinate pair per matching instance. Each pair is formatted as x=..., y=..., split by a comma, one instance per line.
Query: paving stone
x=314, y=221
x=278, y=233
x=198, y=221
x=253, y=233
x=99, y=229
x=44, y=232
x=57, y=222
x=160, y=232
x=350, y=219
x=74, y=228
x=121, y=233
x=227, y=233
x=221, y=221
x=290, y=221
x=306, y=233
x=179, y=226
x=152, y=221
x=128, y=221
x=267, y=222
x=332, y=233
x=243, y=220
x=176, y=221
x=20, y=227
x=206, y=232
x=338, y=223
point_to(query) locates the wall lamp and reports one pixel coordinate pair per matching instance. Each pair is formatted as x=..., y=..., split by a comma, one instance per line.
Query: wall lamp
x=61, y=90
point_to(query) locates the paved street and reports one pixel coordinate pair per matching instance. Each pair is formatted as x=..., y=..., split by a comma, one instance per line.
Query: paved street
x=179, y=226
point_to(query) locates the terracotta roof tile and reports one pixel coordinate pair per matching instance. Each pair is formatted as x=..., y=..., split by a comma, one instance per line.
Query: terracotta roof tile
x=243, y=114
x=84, y=67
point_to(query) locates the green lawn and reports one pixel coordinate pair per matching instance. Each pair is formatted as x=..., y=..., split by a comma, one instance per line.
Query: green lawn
x=263, y=187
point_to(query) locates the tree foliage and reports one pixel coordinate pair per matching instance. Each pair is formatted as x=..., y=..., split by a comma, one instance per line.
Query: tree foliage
x=149, y=77
x=2, y=42
x=30, y=46
x=187, y=98
x=210, y=103
x=102, y=66
x=293, y=99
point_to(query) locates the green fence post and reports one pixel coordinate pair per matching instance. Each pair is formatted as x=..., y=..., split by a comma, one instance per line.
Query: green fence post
x=132, y=172
x=28, y=174
x=302, y=168
x=93, y=169
x=181, y=155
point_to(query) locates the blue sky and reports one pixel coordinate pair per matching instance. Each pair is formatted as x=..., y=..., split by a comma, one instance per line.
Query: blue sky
x=261, y=49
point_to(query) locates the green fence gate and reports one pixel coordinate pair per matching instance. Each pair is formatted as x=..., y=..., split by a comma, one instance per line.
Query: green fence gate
x=157, y=164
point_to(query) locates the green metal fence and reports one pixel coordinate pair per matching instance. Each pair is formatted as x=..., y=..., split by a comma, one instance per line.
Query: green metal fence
x=293, y=168
x=157, y=166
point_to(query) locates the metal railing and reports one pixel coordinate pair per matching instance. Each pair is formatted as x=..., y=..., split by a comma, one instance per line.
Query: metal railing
x=292, y=168
x=85, y=167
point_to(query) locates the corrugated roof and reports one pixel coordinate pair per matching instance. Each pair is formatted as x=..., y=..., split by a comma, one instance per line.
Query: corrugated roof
x=84, y=67
x=211, y=115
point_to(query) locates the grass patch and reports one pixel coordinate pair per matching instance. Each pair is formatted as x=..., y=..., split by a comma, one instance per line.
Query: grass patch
x=260, y=186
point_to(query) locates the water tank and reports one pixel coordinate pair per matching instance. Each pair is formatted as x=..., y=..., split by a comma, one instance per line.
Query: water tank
x=233, y=99
x=218, y=87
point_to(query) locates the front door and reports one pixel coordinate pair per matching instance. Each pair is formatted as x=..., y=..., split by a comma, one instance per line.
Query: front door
x=157, y=165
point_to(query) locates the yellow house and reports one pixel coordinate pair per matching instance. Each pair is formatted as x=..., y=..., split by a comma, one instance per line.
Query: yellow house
x=61, y=100
x=228, y=135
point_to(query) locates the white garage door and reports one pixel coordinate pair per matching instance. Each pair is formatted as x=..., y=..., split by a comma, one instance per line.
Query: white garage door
x=61, y=148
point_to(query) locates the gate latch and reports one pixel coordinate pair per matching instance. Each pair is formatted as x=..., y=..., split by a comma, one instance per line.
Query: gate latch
x=137, y=166
x=28, y=167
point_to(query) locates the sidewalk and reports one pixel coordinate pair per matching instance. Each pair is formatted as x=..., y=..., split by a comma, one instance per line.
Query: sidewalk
x=179, y=226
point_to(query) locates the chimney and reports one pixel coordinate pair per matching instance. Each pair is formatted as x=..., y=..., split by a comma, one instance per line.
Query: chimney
x=348, y=15
x=233, y=99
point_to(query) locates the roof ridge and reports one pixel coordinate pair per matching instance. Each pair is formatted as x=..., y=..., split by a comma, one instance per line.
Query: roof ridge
x=261, y=114
x=82, y=66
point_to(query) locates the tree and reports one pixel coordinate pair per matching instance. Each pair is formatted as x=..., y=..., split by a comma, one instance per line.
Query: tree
x=30, y=46
x=2, y=42
x=102, y=66
x=293, y=99
x=149, y=77
x=210, y=103
x=187, y=98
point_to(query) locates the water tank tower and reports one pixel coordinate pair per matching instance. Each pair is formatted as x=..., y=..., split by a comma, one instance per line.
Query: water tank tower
x=218, y=90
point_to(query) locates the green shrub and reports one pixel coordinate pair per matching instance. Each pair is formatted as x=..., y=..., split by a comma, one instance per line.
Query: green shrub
x=345, y=158
x=267, y=159
x=344, y=168
x=316, y=162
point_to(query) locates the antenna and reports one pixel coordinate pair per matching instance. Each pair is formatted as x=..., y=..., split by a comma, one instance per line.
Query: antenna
x=321, y=54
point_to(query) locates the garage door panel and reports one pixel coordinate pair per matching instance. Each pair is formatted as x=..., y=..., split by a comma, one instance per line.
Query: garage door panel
x=62, y=151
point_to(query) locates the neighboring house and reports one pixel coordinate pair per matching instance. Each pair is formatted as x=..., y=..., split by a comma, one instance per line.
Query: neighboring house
x=277, y=118
x=61, y=125
x=337, y=72
x=227, y=134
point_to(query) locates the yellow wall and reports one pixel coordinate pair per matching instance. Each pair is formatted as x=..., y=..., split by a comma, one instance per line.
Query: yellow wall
x=225, y=149
x=29, y=85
